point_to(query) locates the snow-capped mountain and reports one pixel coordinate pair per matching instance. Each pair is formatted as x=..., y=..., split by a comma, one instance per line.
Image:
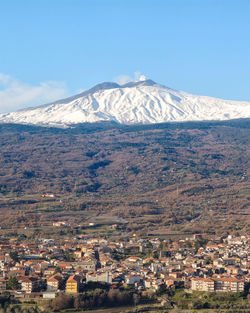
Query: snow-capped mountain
x=142, y=102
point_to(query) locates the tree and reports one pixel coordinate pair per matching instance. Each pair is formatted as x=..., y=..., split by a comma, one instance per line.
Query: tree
x=69, y=257
x=112, y=295
x=77, y=302
x=4, y=300
x=13, y=283
x=57, y=270
x=155, y=254
x=135, y=300
x=208, y=260
x=62, y=302
x=14, y=256
x=200, y=243
x=198, y=304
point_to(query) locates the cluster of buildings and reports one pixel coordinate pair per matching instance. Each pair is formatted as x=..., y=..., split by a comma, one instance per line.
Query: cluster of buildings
x=47, y=267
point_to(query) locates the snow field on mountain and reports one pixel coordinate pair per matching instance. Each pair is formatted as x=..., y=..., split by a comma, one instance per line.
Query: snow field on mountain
x=141, y=103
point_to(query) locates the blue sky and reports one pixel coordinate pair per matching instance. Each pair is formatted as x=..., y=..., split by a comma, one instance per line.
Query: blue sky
x=54, y=48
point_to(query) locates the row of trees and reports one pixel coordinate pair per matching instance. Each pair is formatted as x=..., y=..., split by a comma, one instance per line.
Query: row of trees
x=95, y=298
x=19, y=309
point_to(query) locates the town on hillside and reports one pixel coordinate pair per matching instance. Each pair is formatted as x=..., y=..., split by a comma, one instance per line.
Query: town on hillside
x=46, y=268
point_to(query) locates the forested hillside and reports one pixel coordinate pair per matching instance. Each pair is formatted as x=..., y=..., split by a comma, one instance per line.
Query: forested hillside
x=177, y=177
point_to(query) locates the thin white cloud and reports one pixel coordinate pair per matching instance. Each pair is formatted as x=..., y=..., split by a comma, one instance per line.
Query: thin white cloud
x=123, y=79
x=15, y=95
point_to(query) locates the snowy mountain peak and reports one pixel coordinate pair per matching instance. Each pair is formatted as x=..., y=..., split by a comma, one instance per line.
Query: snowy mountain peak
x=142, y=101
x=145, y=82
x=104, y=86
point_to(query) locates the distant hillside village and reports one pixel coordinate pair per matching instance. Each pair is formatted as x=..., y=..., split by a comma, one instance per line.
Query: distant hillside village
x=46, y=268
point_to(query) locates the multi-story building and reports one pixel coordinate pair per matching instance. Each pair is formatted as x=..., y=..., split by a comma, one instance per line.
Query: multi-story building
x=29, y=284
x=54, y=282
x=88, y=264
x=229, y=284
x=202, y=284
x=105, y=277
x=73, y=284
x=223, y=284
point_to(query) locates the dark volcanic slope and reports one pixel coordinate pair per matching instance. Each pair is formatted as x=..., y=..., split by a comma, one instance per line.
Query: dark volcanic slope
x=168, y=175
